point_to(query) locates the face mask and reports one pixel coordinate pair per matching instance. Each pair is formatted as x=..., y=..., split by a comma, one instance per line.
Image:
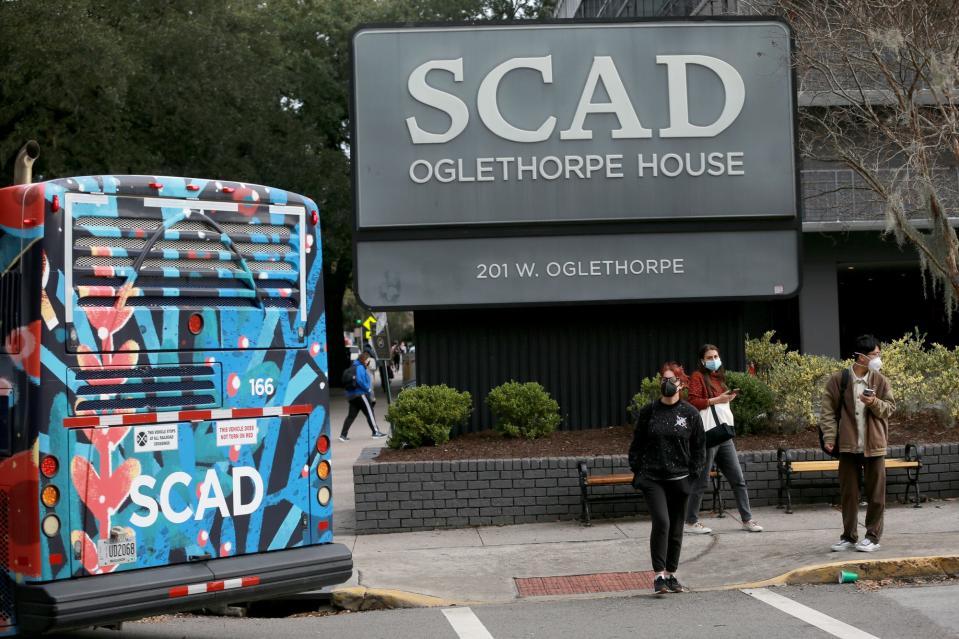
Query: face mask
x=668, y=387
x=713, y=364
x=875, y=364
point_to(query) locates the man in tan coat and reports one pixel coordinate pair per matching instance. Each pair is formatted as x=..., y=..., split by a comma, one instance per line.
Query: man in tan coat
x=863, y=430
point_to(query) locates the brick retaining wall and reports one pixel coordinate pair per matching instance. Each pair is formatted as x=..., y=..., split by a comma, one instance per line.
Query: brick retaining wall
x=407, y=496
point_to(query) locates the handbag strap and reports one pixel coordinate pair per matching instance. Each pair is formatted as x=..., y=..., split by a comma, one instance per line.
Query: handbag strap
x=709, y=396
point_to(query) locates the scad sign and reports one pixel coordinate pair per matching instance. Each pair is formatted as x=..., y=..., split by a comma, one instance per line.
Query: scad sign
x=526, y=126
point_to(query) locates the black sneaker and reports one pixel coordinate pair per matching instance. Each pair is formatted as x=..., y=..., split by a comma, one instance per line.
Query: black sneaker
x=660, y=586
x=673, y=584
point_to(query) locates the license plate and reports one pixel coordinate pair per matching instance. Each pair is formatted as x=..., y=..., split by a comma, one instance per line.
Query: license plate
x=117, y=551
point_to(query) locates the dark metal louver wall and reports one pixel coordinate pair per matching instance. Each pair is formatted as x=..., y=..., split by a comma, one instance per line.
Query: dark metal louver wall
x=591, y=359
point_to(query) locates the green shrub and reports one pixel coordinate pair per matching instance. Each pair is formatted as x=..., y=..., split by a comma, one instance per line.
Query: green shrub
x=649, y=391
x=753, y=406
x=796, y=380
x=523, y=410
x=922, y=378
x=425, y=415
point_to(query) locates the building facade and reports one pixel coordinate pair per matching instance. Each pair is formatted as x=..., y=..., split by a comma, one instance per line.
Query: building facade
x=592, y=357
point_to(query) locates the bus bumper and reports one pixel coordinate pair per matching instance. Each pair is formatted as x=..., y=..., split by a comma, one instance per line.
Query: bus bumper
x=107, y=599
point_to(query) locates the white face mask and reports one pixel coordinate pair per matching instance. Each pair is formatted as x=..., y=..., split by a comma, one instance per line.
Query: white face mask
x=875, y=364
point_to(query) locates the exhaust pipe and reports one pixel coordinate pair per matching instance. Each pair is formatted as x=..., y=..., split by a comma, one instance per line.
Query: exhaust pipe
x=23, y=165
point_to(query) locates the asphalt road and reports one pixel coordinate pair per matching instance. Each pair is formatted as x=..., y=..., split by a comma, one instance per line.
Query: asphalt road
x=930, y=611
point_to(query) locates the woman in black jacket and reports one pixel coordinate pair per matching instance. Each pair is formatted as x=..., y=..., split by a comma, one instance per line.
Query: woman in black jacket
x=667, y=454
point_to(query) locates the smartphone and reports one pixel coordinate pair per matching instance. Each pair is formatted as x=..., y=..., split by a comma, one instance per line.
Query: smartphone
x=733, y=390
x=869, y=392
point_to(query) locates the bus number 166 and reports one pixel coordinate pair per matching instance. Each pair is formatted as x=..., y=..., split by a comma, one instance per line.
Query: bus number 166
x=261, y=386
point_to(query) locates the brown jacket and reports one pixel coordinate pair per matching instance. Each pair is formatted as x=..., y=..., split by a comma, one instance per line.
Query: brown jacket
x=877, y=415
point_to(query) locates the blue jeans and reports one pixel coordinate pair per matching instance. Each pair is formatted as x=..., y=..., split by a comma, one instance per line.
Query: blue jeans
x=728, y=463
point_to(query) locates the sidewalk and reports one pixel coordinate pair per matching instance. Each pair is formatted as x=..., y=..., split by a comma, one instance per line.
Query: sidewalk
x=479, y=565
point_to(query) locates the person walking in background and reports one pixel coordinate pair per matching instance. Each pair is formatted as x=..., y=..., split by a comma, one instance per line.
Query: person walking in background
x=707, y=387
x=359, y=400
x=395, y=356
x=371, y=371
x=864, y=406
x=666, y=455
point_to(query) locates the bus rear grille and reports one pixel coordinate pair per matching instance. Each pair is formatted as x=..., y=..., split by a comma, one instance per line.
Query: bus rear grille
x=6, y=588
x=10, y=311
x=144, y=389
x=237, y=261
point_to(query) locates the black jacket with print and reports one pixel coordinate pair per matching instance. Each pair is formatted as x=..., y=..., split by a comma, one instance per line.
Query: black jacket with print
x=668, y=442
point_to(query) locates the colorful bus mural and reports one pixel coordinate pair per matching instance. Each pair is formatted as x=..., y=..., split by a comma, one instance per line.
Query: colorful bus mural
x=164, y=424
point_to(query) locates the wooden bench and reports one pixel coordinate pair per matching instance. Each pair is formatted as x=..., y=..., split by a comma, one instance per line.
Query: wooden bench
x=587, y=481
x=787, y=468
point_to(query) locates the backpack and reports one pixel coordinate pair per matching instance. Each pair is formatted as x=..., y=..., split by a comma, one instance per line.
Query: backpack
x=349, y=378
x=842, y=399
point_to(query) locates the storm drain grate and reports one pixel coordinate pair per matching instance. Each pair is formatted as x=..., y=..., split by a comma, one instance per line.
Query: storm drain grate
x=584, y=584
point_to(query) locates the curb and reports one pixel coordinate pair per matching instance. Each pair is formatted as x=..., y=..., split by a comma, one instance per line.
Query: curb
x=872, y=569
x=360, y=598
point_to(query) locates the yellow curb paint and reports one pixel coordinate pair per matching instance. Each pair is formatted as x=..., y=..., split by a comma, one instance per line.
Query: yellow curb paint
x=359, y=598
x=868, y=569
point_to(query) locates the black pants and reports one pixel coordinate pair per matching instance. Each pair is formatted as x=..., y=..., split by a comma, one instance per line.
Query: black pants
x=359, y=404
x=666, y=501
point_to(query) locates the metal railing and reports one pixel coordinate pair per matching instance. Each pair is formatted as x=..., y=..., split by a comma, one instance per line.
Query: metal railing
x=645, y=8
x=842, y=196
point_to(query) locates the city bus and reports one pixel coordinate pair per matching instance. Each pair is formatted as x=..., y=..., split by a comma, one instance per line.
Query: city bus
x=164, y=422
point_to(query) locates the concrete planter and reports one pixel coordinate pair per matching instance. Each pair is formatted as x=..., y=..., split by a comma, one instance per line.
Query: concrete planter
x=408, y=496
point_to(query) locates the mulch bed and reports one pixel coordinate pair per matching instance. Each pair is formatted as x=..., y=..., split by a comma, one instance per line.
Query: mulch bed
x=615, y=441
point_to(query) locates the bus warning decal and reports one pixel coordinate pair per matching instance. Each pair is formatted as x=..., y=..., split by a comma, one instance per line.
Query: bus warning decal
x=236, y=432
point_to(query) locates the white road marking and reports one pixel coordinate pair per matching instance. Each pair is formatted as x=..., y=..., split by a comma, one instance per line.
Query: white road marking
x=804, y=613
x=466, y=624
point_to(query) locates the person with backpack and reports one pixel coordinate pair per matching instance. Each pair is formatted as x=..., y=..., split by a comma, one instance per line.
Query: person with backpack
x=666, y=456
x=709, y=394
x=856, y=407
x=357, y=384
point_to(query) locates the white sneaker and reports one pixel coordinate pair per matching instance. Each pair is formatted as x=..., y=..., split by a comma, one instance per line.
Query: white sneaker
x=843, y=544
x=752, y=526
x=344, y=438
x=866, y=545
x=697, y=529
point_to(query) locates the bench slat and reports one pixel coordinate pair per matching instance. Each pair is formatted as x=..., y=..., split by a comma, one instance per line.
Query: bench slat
x=615, y=480
x=609, y=480
x=812, y=466
x=901, y=463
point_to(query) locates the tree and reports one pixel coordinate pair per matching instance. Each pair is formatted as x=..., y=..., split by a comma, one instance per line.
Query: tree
x=256, y=92
x=884, y=81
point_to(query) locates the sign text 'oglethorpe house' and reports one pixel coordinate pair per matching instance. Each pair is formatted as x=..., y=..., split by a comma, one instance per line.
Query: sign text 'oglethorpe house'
x=603, y=75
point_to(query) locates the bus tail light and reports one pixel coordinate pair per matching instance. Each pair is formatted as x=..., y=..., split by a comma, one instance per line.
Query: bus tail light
x=323, y=495
x=49, y=466
x=50, y=496
x=55, y=204
x=51, y=525
x=323, y=444
x=323, y=469
x=196, y=323
x=314, y=217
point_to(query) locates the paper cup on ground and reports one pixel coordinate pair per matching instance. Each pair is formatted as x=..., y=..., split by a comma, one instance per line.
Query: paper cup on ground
x=847, y=577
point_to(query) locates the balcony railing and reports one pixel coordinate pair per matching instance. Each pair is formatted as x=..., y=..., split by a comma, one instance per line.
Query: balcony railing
x=645, y=8
x=840, y=197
